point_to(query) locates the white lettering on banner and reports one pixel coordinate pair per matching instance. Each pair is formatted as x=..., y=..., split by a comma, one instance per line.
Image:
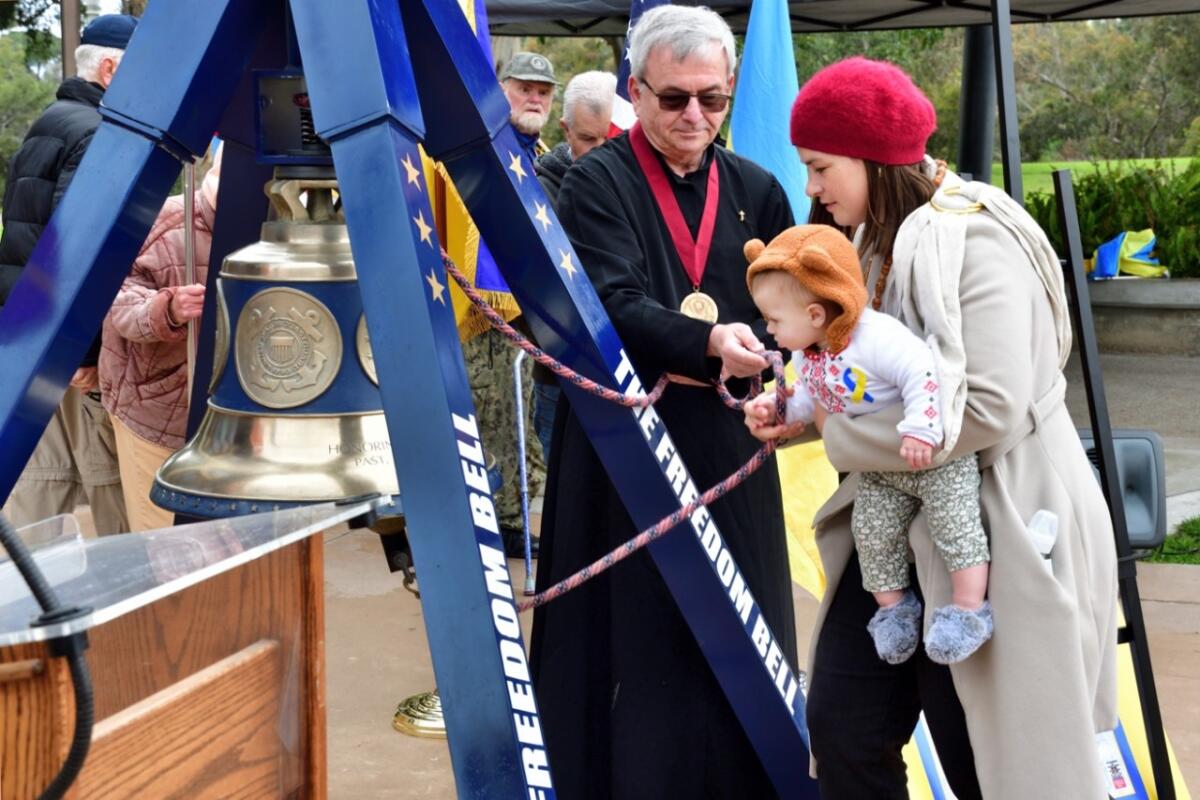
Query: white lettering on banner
x=706, y=531
x=520, y=696
x=475, y=476
x=529, y=730
x=470, y=452
x=648, y=421
x=677, y=475
x=739, y=593
x=505, y=622
x=504, y=616
x=516, y=669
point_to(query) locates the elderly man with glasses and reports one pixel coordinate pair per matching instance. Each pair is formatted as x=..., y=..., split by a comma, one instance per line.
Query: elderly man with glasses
x=658, y=217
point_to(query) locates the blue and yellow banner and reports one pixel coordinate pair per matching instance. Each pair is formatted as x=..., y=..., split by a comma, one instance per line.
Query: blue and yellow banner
x=457, y=231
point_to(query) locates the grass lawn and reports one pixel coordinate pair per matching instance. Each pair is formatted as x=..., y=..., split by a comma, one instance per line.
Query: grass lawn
x=1036, y=176
x=1181, y=547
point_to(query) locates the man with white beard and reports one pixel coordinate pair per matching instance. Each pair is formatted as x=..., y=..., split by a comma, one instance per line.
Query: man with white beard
x=528, y=83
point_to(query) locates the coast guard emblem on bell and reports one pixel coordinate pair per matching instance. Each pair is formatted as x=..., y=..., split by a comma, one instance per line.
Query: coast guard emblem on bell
x=362, y=341
x=288, y=348
x=221, y=344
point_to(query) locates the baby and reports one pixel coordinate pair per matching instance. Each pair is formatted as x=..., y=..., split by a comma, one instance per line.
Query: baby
x=848, y=359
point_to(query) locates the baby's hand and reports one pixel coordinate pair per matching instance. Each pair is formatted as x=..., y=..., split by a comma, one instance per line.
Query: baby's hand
x=760, y=410
x=917, y=453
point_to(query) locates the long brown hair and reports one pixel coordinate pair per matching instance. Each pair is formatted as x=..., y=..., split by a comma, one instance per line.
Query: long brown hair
x=893, y=192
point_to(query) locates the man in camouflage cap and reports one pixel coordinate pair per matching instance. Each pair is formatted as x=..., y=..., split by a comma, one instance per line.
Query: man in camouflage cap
x=528, y=82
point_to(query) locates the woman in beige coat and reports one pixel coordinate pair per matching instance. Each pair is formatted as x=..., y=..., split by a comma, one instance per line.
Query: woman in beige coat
x=964, y=267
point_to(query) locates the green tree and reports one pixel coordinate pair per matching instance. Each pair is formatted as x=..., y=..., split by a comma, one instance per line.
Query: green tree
x=1104, y=89
x=22, y=97
x=40, y=40
x=932, y=56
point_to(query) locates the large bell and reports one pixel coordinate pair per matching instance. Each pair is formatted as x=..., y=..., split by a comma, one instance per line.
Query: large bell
x=294, y=413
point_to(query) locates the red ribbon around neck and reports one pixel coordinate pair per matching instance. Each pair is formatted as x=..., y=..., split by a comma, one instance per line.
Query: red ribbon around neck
x=692, y=252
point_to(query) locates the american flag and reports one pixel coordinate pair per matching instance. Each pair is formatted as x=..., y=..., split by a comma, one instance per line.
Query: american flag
x=623, y=116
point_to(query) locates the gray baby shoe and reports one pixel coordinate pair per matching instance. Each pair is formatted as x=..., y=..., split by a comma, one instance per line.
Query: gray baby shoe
x=896, y=630
x=956, y=632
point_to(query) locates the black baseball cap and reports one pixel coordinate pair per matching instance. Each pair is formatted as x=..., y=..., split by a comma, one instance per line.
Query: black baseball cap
x=109, y=30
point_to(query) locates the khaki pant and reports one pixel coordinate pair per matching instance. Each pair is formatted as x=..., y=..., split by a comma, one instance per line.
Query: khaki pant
x=140, y=461
x=74, y=463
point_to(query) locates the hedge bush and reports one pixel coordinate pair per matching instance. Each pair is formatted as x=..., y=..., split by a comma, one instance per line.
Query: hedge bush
x=1112, y=198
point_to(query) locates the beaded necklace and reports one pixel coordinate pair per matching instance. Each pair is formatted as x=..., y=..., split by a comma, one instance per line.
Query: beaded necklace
x=881, y=283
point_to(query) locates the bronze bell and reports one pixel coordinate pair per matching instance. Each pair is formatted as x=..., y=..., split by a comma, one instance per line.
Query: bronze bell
x=294, y=413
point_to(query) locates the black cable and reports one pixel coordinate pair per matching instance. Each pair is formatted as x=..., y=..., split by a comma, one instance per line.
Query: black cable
x=70, y=647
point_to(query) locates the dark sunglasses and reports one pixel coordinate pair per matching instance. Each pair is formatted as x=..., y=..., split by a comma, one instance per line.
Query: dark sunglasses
x=678, y=101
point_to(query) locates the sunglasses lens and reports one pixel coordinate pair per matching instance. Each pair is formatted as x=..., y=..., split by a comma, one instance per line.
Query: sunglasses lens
x=713, y=102
x=673, y=102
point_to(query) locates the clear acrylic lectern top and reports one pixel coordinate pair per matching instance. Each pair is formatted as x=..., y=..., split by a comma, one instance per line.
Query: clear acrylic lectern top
x=114, y=575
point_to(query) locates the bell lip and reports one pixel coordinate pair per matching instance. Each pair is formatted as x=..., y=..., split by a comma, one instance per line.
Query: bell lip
x=170, y=499
x=216, y=465
x=159, y=481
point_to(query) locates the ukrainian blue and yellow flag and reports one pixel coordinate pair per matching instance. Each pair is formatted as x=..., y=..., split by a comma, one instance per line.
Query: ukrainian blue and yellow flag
x=766, y=87
x=458, y=233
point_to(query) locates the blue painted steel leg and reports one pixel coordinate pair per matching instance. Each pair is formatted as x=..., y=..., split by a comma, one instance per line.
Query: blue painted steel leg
x=472, y=136
x=162, y=106
x=364, y=104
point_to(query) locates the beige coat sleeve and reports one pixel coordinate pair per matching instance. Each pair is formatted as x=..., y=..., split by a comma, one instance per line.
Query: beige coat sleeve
x=997, y=305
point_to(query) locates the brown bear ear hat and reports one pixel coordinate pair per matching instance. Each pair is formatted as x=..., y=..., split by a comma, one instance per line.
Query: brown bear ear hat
x=825, y=263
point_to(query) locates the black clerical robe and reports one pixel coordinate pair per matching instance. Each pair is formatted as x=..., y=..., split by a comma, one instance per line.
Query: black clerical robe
x=629, y=705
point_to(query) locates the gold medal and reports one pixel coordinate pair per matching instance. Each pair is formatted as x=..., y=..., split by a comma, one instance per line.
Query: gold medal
x=698, y=305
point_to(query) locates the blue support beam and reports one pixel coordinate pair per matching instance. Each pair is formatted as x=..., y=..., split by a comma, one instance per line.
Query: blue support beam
x=241, y=202
x=152, y=117
x=472, y=137
x=364, y=103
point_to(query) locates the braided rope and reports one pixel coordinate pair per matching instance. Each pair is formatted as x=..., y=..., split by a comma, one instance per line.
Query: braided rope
x=669, y=522
x=563, y=371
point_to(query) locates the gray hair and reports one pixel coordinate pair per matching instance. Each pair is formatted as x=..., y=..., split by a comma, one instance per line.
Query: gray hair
x=89, y=56
x=594, y=89
x=685, y=29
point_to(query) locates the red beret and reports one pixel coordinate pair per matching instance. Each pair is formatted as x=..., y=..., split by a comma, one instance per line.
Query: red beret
x=863, y=109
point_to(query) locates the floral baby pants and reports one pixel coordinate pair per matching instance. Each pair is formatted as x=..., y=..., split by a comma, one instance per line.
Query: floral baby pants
x=888, y=501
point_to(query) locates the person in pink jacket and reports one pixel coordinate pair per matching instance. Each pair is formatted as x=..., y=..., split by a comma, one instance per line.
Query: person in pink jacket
x=143, y=359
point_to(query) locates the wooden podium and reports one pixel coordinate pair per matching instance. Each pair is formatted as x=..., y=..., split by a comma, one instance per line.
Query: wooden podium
x=213, y=686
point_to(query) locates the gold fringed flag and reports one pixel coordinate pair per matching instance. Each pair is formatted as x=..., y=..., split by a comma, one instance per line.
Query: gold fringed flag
x=458, y=233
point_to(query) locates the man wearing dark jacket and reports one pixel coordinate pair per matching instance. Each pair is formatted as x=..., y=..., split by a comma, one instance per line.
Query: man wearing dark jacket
x=76, y=460
x=586, y=117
